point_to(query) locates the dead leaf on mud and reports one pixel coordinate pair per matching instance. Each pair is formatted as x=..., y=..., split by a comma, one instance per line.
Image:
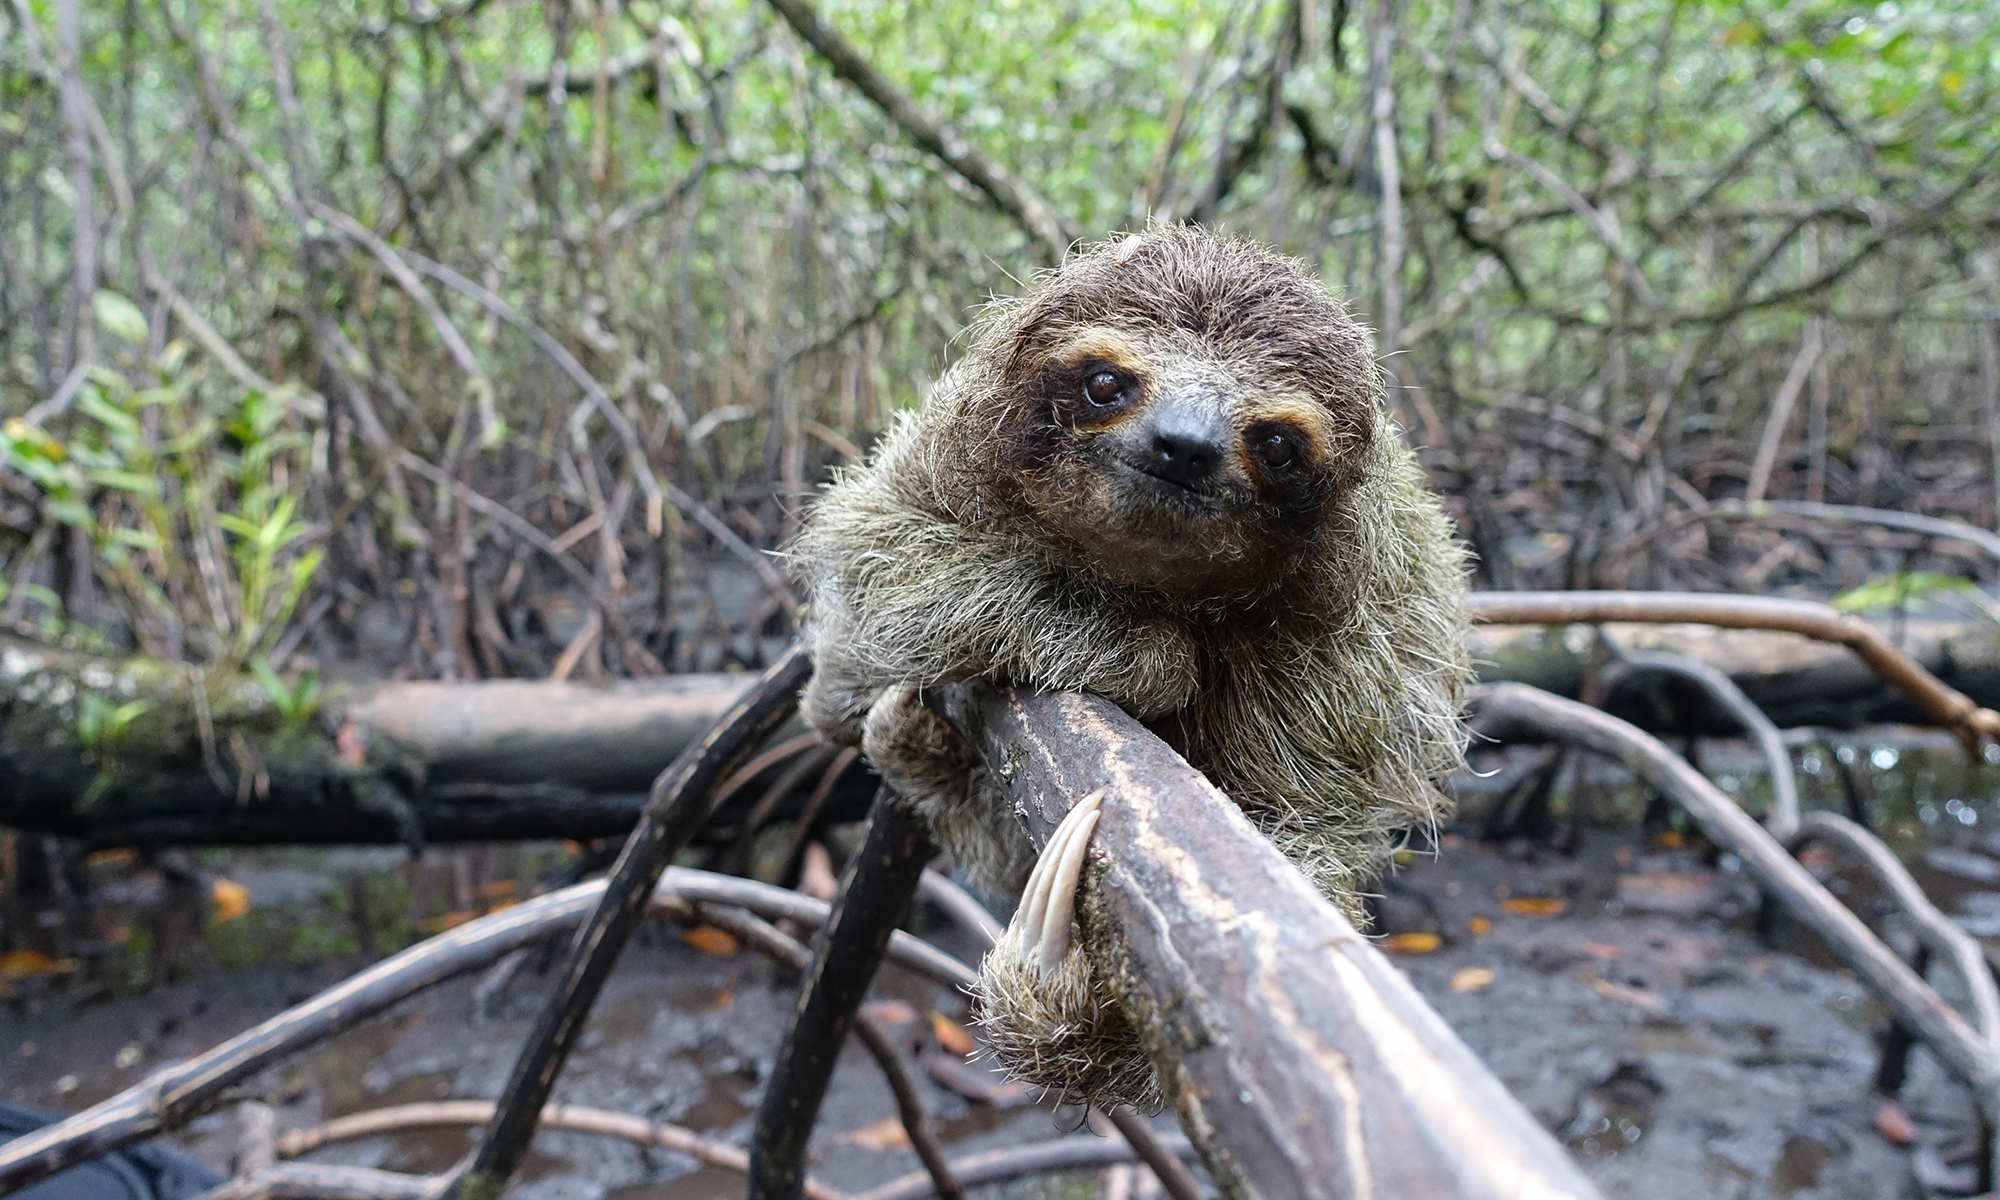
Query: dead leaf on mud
x=1472, y=979
x=31, y=964
x=231, y=899
x=1624, y=995
x=885, y=1134
x=1894, y=1124
x=951, y=1035
x=1412, y=943
x=710, y=940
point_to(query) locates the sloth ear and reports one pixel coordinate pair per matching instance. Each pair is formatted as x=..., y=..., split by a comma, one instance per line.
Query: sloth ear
x=1127, y=247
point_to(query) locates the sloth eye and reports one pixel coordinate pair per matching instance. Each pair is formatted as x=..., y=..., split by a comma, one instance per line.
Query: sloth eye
x=1102, y=389
x=1275, y=451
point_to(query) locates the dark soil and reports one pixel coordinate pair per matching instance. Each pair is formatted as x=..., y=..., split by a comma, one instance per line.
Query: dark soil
x=1615, y=978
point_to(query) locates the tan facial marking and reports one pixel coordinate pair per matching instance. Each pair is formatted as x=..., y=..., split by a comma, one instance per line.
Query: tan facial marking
x=1110, y=345
x=1308, y=420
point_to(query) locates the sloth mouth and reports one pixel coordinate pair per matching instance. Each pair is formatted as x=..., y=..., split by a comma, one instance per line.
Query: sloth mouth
x=1205, y=498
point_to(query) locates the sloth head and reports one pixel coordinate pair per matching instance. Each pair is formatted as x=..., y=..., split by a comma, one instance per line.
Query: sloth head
x=1182, y=410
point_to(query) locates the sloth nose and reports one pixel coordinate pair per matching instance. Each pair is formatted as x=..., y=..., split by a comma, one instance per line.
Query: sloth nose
x=1185, y=449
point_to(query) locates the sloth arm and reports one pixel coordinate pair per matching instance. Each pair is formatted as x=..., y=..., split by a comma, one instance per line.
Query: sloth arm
x=913, y=598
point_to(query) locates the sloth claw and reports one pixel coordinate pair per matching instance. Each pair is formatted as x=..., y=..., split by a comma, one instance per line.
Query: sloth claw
x=1041, y=928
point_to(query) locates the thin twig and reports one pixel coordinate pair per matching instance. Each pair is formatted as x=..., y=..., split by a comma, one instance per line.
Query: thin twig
x=757, y=559
x=1007, y=191
x=454, y=342
x=526, y=529
x=593, y=391
x=1781, y=414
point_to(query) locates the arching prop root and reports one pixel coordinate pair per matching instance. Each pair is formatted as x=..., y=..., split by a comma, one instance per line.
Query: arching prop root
x=1512, y=711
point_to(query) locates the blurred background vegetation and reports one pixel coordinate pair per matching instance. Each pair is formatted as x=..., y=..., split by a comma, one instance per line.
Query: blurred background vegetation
x=500, y=338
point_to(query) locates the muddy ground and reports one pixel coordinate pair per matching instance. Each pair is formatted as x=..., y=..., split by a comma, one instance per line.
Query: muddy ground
x=1613, y=971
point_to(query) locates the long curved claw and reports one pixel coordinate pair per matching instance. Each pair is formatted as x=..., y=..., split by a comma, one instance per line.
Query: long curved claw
x=1062, y=894
x=1040, y=929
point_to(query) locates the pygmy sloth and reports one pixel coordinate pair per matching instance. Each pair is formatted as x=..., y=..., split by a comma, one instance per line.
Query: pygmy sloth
x=1165, y=477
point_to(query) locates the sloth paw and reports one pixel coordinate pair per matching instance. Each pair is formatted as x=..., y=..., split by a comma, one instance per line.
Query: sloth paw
x=916, y=751
x=1050, y=1019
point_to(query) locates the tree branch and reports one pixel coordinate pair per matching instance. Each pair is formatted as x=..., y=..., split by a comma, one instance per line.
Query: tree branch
x=1008, y=192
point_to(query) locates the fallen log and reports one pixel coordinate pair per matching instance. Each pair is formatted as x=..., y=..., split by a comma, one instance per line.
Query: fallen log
x=1870, y=657
x=1301, y=1063
x=141, y=753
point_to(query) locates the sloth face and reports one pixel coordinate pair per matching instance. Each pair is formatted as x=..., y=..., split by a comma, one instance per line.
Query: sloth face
x=1189, y=416
x=1179, y=470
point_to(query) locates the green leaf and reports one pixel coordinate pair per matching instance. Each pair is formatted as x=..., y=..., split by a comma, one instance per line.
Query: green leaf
x=172, y=356
x=125, y=481
x=120, y=316
x=1899, y=590
x=116, y=419
x=72, y=512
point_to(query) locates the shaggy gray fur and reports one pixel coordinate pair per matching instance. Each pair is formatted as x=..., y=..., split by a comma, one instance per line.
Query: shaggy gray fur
x=1308, y=657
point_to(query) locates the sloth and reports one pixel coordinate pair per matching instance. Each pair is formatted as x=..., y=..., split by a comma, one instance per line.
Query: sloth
x=1167, y=476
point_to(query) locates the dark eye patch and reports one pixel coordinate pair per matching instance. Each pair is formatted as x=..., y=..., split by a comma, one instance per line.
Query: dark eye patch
x=1275, y=450
x=1092, y=391
x=1276, y=447
x=1103, y=388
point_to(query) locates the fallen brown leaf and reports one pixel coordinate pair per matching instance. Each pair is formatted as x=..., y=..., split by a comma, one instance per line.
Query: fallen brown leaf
x=1534, y=906
x=231, y=899
x=1472, y=979
x=710, y=940
x=951, y=1035
x=1480, y=926
x=1412, y=943
x=885, y=1134
x=1601, y=950
x=1624, y=995
x=28, y=964
x=1894, y=1124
